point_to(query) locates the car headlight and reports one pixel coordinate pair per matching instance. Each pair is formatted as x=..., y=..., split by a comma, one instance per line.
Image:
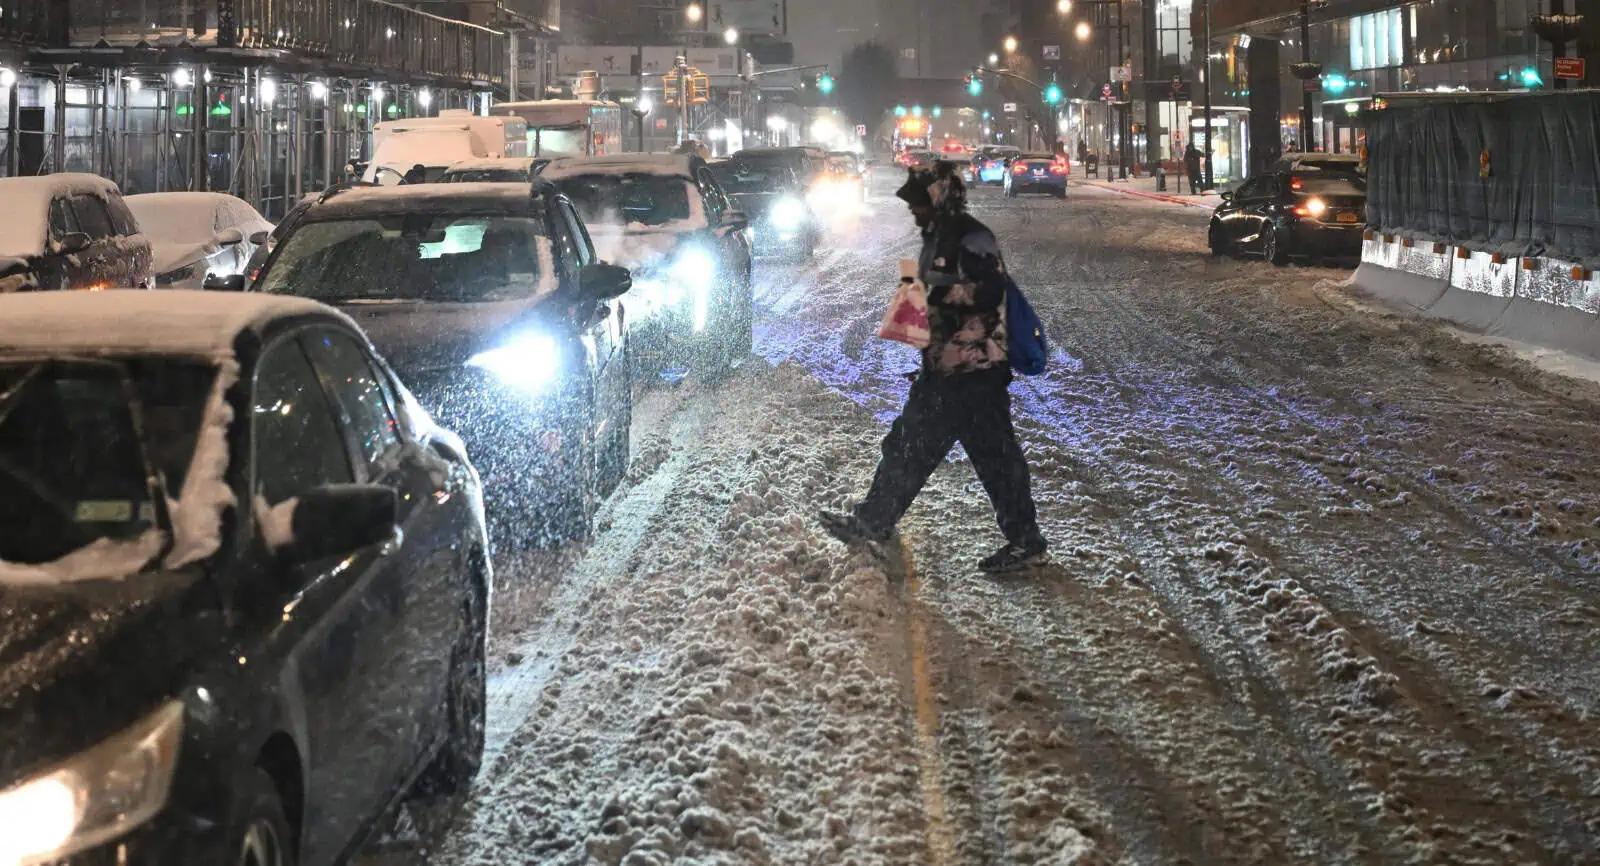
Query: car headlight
x=788, y=213
x=526, y=362
x=694, y=269
x=94, y=796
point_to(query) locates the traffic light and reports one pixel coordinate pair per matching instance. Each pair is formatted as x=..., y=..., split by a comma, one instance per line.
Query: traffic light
x=899, y=111
x=825, y=84
x=916, y=111
x=1052, y=94
x=669, y=89
x=975, y=83
x=699, y=88
x=938, y=110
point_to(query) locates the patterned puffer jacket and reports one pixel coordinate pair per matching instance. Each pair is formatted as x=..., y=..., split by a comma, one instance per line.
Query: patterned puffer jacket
x=964, y=273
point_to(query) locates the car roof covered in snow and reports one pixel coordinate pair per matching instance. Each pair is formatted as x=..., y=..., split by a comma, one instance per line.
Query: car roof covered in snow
x=133, y=322
x=523, y=163
x=463, y=198
x=25, y=230
x=663, y=164
x=186, y=216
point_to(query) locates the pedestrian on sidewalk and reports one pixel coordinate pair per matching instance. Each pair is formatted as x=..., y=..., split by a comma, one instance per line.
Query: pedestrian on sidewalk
x=1192, y=158
x=960, y=395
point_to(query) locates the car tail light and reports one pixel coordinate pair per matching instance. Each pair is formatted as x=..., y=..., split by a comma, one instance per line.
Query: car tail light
x=1019, y=168
x=1297, y=183
x=1058, y=168
x=1312, y=207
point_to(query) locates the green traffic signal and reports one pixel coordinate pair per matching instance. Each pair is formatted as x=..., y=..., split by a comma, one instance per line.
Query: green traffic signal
x=938, y=111
x=1052, y=94
x=974, y=85
x=899, y=111
x=825, y=83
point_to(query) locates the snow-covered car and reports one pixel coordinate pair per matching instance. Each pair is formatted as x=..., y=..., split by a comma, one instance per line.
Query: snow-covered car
x=773, y=198
x=667, y=219
x=490, y=301
x=244, y=582
x=69, y=231
x=195, y=235
x=510, y=169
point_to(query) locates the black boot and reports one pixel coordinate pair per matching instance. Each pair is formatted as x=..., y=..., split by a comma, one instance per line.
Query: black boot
x=1015, y=557
x=851, y=529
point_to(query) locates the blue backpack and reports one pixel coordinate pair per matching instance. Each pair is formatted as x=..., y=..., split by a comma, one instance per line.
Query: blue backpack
x=1025, y=333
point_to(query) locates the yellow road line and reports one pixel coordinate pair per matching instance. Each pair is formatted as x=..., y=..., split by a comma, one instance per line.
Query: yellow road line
x=941, y=846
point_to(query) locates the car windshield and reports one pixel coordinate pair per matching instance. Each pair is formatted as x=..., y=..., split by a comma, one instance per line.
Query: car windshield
x=414, y=257
x=754, y=176
x=79, y=441
x=646, y=199
x=487, y=175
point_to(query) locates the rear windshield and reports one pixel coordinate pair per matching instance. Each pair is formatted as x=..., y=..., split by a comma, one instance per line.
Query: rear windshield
x=414, y=257
x=646, y=199
x=1322, y=184
x=753, y=176
x=81, y=441
x=487, y=175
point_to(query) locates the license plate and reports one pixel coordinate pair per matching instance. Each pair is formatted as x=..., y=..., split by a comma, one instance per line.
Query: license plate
x=1348, y=217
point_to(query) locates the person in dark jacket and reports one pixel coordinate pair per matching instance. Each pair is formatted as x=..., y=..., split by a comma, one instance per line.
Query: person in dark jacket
x=961, y=394
x=1192, y=158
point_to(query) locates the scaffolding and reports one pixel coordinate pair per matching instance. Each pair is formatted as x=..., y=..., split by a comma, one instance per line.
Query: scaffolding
x=228, y=95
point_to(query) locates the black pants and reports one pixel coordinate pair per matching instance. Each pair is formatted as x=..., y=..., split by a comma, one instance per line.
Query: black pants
x=975, y=410
x=1194, y=181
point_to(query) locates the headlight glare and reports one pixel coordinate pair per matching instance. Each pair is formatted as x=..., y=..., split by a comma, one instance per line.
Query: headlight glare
x=788, y=213
x=94, y=796
x=694, y=269
x=526, y=362
x=1316, y=206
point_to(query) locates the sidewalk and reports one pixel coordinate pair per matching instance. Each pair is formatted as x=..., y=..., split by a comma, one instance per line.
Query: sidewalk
x=1145, y=187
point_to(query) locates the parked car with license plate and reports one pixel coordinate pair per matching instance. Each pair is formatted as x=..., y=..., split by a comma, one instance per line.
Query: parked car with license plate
x=1301, y=214
x=244, y=583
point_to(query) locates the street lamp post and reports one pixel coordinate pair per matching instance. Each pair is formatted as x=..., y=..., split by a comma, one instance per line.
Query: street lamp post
x=1306, y=140
x=641, y=109
x=1210, y=182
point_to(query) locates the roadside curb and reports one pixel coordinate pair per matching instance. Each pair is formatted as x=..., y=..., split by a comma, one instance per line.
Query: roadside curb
x=1153, y=196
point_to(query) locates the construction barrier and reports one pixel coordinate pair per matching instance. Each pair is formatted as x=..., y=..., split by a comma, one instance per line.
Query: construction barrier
x=1543, y=301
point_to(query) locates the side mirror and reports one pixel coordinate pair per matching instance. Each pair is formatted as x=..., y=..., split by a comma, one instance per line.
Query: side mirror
x=602, y=282
x=735, y=220
x=258, y=238
x=73, y=242
x=223, y=283
x=337, y=519
x=1227, y=198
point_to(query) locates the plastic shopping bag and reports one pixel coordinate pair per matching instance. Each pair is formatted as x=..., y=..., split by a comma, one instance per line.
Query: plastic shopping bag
x=907, y=318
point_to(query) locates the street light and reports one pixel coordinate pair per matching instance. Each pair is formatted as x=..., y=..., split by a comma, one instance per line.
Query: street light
x=730, y=36
x=1010, y=45
x=694, y=13
x=1064, y=6
x=994, y=59
x=1082, y=31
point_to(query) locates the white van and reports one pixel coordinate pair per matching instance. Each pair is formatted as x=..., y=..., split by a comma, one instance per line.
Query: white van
x=436, y=143
x=568, y=127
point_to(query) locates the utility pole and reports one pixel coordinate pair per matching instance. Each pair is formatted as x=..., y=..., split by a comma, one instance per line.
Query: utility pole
x=1307, y=142
x=1210, y=181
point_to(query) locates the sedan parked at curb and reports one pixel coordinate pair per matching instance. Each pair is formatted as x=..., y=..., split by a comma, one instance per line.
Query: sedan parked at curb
x=195, y=235
x=244, y=583
x=1301, y=214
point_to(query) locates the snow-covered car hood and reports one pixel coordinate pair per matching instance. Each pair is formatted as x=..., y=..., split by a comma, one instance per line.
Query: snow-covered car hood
x=416, y=337
x=78, y=663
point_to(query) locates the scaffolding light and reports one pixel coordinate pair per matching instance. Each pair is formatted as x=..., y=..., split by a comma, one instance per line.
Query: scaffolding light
x=377, y=94
x=1082, y=31
x=319, y=90
x=269, y=91
x=730, y=36
x=694, y=13
x=181, y=77
x=425, y=97
x=207, y=76
x=134, y=84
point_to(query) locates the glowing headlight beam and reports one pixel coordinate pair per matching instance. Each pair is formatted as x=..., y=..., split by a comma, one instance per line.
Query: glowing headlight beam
x=527, y=362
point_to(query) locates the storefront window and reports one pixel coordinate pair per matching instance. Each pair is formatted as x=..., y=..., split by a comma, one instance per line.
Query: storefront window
x=1377, y=40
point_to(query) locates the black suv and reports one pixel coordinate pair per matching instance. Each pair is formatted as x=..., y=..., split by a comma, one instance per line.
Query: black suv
x=244, y=582
x=489, y=301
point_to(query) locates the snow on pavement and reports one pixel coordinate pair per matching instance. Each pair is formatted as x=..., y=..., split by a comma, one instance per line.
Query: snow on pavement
x=1324, y=591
